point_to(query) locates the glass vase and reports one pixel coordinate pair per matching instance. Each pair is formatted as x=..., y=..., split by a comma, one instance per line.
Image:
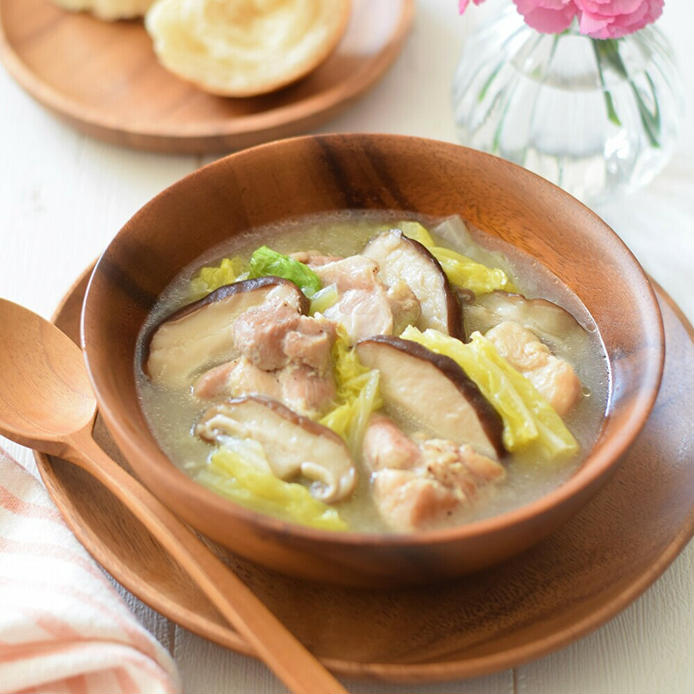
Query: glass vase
x=598, y=118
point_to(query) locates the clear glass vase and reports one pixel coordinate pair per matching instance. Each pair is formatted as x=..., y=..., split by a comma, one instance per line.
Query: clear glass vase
x=595, y=117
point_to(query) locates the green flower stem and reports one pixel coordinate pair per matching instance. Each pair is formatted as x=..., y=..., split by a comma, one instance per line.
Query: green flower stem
x=488, y=82
x=609, y=103
x=607, y=50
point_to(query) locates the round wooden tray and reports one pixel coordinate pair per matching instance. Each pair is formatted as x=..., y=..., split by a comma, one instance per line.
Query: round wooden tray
x=568, y=585
x=104, y=79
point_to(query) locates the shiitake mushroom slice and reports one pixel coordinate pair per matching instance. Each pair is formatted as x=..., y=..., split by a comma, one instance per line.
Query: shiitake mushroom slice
x=293, y=444
x=432, y=390
x=199, y=335
x=549, y=321
x=401, y=258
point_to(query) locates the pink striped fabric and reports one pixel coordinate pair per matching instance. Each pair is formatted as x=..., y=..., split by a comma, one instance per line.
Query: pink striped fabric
x=63, y=627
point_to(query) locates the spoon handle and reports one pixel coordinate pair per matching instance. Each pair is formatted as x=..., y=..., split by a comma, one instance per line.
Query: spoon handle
x=272, y=641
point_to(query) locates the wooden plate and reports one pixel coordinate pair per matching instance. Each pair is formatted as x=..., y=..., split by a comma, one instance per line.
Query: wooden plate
x=104, y=79
x=542, y=600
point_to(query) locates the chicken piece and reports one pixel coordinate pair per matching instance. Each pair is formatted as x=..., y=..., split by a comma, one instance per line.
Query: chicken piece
x=484, y=469
x=554, y=378
x=385, y=446
x=353, y=272
x=237, y=377
x=314, y=258
x=366, y=306
x=259, y=334
x=404, y=306
x=459, y=468
x=306, y=390
x=362, y=313
x=284, y=355
x=272, y=336
x=310, y=342
x=416, y=483
x=299, y=387
x=407, y=501
x=200, y=335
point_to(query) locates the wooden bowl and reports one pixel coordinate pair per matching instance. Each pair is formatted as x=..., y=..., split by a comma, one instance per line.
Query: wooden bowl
x=358, y=171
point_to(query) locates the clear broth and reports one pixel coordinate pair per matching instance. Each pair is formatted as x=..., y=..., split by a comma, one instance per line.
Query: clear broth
x=171, y=415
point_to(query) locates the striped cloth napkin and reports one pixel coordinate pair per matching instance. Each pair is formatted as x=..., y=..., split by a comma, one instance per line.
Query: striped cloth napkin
x=63, y=627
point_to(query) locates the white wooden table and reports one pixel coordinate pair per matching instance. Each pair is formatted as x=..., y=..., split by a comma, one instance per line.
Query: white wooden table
x=63, y=196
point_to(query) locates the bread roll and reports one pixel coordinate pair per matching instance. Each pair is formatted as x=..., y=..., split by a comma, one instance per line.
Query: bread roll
x=245, y=47
x=108, y=9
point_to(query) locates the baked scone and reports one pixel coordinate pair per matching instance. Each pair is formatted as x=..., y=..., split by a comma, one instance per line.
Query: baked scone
x=108, y=9
x=245, y=47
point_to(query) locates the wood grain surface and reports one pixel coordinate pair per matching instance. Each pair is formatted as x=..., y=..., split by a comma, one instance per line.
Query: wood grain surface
x=104, y=79
x=60, y=189
x=369, y=172
x=579, y=577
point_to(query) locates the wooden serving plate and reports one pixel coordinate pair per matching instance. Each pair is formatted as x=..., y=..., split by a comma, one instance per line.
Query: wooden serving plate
x=551, y=595
x=104, y=79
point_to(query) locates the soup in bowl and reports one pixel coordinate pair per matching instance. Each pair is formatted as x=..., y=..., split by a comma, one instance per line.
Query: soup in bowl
x=371, y=359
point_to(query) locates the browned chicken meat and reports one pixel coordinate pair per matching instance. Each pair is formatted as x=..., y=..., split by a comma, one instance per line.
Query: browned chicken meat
x=353, y=272
x=410, y=501
x=416, y=484
x=366, y=306
x=274, y=336
x=283, y=355
x=237, y=376
x=201, y=334
x=300, y=387
x=553, y=377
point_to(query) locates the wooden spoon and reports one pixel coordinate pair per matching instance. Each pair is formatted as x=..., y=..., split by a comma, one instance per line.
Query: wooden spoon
x=46, y=403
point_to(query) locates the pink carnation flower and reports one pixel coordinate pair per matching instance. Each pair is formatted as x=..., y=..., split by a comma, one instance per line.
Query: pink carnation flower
x=600, y=19
x=547, y=16
x=610, y=19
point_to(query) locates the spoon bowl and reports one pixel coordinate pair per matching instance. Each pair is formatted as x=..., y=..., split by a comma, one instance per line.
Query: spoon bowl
x=46, y=393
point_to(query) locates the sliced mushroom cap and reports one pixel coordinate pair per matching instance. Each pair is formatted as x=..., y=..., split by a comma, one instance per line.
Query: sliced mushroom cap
x=547, y=320
x=434, y=391
x=199, y=335
x=293, y=444
x=400, y=258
